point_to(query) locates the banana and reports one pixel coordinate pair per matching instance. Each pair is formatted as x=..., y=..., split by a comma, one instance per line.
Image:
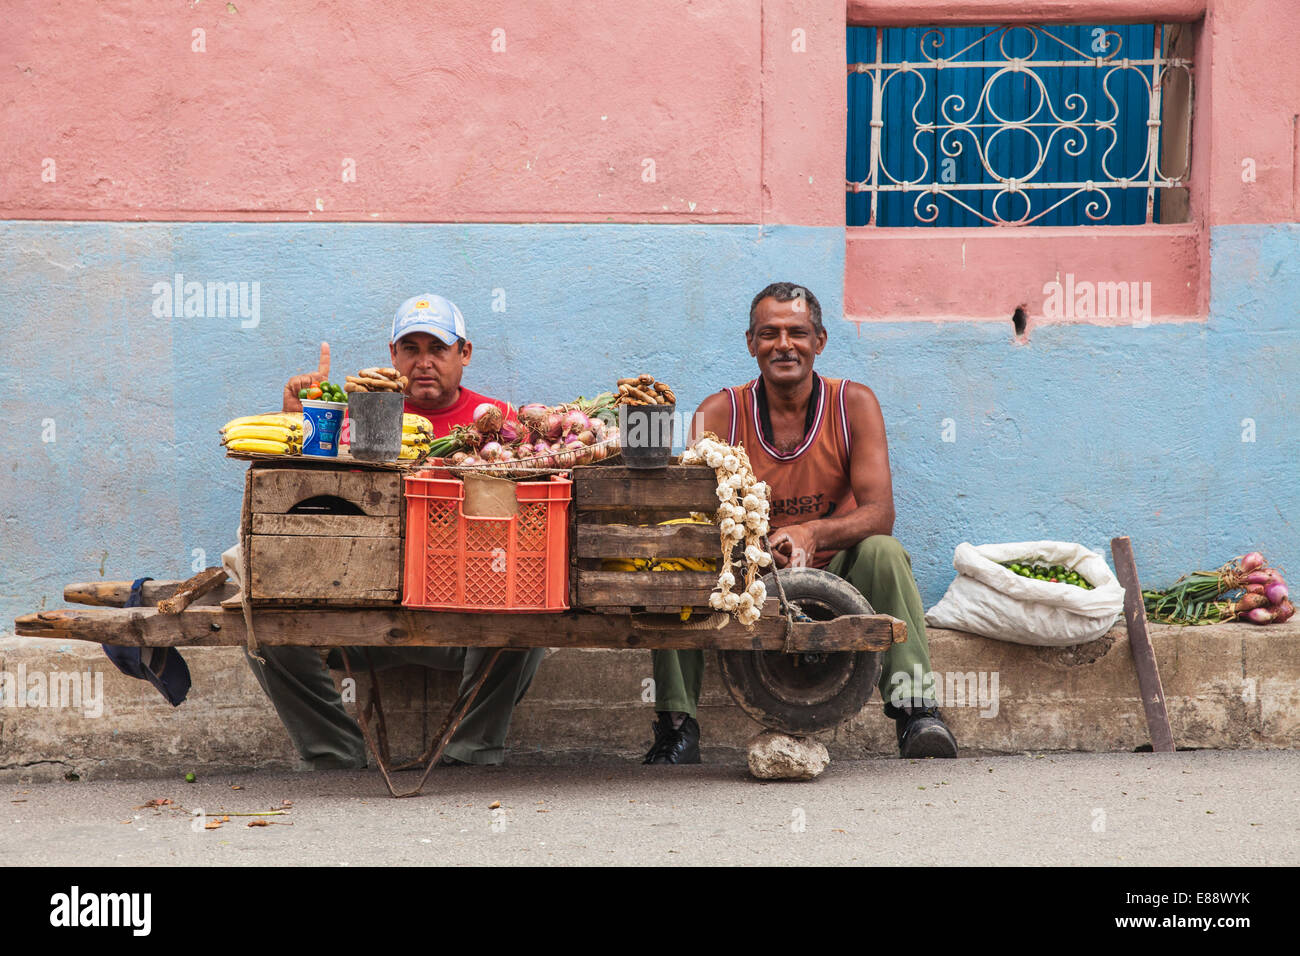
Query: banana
x=412, y=422
x=265, y=432
x=290, y=420
x=410, y=452
x=260, y=445
x=665, y=564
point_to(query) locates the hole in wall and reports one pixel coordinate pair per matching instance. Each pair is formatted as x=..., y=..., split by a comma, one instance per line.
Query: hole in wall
x=1020, y=319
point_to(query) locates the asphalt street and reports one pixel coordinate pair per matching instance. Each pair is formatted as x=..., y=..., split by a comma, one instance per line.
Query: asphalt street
x=1185, y=809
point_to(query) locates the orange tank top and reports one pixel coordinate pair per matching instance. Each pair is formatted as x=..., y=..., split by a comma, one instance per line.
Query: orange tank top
x=813, y=480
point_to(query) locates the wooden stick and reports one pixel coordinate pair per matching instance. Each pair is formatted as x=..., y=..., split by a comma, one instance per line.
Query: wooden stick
x=213, y=626
x=1139, y=642
x=115, y=593
x=206, y=580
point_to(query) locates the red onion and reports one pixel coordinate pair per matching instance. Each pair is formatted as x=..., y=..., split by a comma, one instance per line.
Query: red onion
x=491, y=451
x=1250, y=602
x=554, y=426
x=1276, y=592
x=1283, y=611
x=586, y=437
x=1251, y=562
x=576, y=421
x=1265, y=576
x=488, y=419
x=508, y=431
x=1260, y=615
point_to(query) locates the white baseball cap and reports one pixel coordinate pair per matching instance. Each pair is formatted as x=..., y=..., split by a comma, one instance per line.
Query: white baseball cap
x=432, y=314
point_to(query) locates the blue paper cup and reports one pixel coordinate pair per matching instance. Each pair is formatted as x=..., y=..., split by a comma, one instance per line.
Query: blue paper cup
x=322, y=425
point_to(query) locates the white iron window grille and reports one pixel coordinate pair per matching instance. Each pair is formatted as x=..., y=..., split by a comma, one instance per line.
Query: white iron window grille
x=943, y=124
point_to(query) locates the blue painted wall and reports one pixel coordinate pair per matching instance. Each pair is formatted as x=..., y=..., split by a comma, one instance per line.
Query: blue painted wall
x=1084, y=433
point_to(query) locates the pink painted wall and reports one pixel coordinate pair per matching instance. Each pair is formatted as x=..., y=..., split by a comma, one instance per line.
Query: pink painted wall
x=442, y=128
x=805, y=102
x=557, y=126
x=956, y=274
x=741, y=126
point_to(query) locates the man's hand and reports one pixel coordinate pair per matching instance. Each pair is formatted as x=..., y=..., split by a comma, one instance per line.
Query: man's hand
x=794, y=546
x=291, y=401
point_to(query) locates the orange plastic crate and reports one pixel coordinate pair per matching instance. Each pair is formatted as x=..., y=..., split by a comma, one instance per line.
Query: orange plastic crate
x=456, y=562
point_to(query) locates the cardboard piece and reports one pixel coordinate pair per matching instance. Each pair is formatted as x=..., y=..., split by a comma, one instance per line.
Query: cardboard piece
x=488, y=497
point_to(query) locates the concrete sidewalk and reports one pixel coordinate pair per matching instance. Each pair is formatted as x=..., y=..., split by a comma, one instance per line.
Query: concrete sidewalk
x=1228, y=687
x=1185, y=809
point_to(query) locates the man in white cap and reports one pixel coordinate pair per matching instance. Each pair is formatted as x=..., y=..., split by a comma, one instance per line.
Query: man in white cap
x=429, y=346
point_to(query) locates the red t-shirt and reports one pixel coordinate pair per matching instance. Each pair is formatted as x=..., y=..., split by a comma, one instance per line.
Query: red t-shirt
x=460, y=413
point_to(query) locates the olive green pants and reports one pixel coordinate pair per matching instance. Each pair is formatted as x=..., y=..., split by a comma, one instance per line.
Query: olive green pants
x=882, y=572
x=311, y=708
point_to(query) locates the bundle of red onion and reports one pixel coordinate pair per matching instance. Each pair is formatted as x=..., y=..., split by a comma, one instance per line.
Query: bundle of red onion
x=543, y=438
x=1257, y=593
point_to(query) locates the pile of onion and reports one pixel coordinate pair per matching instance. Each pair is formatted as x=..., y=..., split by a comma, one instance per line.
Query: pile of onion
x=544, y=438
x=1257, y=593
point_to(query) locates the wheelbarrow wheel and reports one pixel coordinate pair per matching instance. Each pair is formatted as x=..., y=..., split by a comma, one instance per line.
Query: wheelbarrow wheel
x=803, y=693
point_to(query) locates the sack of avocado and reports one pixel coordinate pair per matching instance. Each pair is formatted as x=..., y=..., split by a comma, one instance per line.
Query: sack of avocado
x=1048, y=593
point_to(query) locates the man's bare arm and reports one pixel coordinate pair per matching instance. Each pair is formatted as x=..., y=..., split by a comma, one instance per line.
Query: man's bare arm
x=713, y=415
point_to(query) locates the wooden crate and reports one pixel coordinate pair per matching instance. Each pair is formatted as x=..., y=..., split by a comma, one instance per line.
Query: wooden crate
x=612, y=507
x=317, y=558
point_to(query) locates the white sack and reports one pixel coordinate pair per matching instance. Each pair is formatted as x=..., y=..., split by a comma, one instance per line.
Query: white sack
x=993, y=601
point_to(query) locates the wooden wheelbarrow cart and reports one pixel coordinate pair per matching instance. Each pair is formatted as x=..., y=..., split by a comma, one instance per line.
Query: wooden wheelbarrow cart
x=323, y=560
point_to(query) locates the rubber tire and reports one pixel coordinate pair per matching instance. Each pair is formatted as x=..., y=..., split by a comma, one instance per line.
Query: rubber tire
x=742, y=671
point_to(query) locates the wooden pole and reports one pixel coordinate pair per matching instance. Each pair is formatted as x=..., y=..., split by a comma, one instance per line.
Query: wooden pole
x=1139, y=642
x=192, y=590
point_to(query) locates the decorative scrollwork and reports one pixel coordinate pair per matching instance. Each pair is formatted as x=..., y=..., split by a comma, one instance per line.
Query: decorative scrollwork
x=983, y=128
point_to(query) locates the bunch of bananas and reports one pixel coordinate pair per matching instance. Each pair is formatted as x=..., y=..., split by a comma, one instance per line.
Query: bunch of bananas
x=275, y=434
x=417, y=434
x=666, y=564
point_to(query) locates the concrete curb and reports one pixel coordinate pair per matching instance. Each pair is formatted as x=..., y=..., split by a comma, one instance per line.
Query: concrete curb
x=1231, y=686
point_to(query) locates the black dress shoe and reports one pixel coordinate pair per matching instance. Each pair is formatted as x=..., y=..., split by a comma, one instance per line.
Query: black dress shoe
x=921, y=732
x=675, y=744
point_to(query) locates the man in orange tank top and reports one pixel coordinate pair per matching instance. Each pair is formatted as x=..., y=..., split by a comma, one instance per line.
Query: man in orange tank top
x=820, y=445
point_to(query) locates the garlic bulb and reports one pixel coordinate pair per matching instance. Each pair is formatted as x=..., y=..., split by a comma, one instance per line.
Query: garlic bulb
x=742, y=518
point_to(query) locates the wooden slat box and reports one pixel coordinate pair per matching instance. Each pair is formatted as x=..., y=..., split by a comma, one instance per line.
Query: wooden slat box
x=611, y=503
x=322, y=558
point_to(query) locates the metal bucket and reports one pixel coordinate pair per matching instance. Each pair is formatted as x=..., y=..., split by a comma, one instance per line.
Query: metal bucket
x=645, y=433
x=376, y=429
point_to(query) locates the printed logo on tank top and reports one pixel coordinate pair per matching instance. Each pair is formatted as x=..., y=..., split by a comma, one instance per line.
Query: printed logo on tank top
x=804, y=506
